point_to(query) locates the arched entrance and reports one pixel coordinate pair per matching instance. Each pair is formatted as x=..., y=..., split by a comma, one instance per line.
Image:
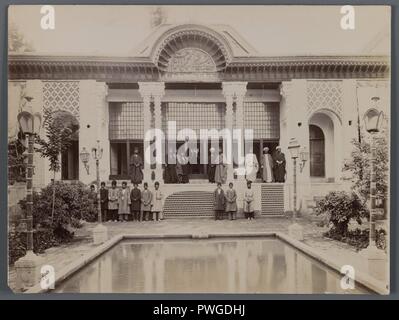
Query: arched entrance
x=324, y=146
x=317, y=151
x=70, y=157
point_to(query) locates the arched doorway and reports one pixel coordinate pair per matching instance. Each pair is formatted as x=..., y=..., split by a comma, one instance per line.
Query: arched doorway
x=317, y=151
x=70, y=157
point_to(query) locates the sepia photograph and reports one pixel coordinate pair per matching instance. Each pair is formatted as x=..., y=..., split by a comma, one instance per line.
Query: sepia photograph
x=199, y=149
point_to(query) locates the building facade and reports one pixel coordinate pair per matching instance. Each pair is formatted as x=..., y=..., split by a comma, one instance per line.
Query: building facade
x=205, y=77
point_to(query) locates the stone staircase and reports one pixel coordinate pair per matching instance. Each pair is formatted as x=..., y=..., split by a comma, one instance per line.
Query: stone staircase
x=272, y=199
x=189, y=204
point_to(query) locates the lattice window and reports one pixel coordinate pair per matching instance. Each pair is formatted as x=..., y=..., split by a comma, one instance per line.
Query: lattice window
x=194, y=116
x=62, y=95
x=324, y=95
x=126, y=121
x=263, y=118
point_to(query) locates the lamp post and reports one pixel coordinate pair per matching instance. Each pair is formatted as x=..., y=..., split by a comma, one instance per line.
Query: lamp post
x=100, y=233
x=27, y=266
x=294, y=230
x=97, y=154
x=376, y=257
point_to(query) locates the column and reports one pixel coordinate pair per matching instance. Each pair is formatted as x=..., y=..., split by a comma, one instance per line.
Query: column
x=295, y=124
x=235, y=92
x=89, y=127
x=229, y=127
x=101, y=104
x=158, y=93
x=151, y=91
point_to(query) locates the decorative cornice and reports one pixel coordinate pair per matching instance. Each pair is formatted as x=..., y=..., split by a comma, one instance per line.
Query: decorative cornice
x=119, y=69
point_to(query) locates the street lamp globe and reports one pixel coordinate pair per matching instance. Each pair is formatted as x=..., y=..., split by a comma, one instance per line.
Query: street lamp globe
x=372, y=119
x=84, y=156
x=29, y=123
x=293, y=147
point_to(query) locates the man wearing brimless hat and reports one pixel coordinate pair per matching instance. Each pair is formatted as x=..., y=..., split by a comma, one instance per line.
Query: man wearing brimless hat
x=267, y=166
x=279, y=165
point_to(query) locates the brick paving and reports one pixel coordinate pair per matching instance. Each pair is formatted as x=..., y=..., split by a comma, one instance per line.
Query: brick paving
x=61, y=256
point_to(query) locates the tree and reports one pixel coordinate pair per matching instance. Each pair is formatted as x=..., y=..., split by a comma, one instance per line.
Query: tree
x=58, y=139
x=16, y=40
x=340, y=208
x=359, y=165
x=16, y=160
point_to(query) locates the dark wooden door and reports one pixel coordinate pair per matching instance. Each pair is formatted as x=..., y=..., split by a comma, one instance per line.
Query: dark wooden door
x=317, y=151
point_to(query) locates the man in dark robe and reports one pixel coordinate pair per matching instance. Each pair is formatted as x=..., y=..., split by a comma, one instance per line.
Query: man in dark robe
x=279, y=165
x=104, y=201
x=135, y=202
x=170, y=173
x=212, y=165
x=185, y=165
x=136, y=167
x=219, y=202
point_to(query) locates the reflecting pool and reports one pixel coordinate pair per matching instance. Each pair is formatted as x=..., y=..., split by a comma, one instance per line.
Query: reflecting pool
x=247, y=265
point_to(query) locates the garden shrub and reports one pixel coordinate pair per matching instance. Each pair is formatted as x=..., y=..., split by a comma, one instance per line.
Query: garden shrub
x=359, y=238
x=42, y=240
x=72, y=204
x=340, y=208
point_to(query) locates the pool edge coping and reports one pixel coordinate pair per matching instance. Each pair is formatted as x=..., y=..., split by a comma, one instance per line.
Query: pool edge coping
x=362, y=278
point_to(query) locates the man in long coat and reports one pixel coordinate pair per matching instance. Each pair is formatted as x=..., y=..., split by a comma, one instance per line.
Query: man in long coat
x=279, y=165
x=231, y=202
x=212, y=165
x=183, y=167
x=135, y=202
x=251, y=167
x=267, y=166
x=221, y=169
x=124, y=202
x=136, y=167
x=170, y=173
x=146, y=202
x=104, y=201
x=219, y=202
x=113, y=202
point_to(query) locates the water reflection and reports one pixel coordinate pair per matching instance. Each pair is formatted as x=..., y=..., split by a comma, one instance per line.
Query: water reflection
x=225, y=266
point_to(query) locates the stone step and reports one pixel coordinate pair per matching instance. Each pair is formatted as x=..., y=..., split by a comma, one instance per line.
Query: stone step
x=272, y=199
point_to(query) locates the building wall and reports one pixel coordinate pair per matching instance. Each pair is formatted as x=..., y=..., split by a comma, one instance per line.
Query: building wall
x=335, y=105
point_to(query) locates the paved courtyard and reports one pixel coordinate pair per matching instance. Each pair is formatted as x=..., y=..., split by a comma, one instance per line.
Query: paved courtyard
x=61, y=256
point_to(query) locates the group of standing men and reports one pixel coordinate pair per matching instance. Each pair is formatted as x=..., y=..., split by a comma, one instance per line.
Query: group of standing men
x=177, y=169
x=123, y=204
x=273, y=167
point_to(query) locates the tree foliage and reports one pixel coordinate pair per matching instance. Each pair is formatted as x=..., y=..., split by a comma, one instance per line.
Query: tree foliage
x=58, y=139
x=340, y=208
x=16, y=161
x=16, y=40
x=359, y=165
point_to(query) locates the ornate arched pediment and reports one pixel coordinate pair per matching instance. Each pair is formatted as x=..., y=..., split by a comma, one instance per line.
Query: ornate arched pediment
x=191, y=60
x=191, y=49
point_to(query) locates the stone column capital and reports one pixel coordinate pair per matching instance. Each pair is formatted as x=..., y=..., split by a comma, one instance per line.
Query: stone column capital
x=285, y=89
x=154, y=90
x=234, y=89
